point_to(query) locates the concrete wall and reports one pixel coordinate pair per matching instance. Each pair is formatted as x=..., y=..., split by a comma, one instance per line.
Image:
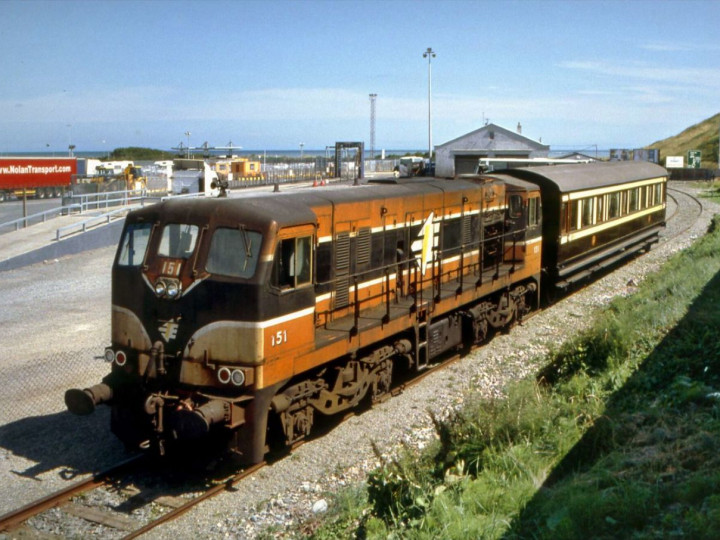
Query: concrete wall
x=103, y=236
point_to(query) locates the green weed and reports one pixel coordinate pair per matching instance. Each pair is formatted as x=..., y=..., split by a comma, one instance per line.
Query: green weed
x=616, y=438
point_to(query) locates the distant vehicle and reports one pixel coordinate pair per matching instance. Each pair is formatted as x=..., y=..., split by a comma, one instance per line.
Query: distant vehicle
x=109, y=176
x=196, y=176
x=412, y=166
x=38, y=177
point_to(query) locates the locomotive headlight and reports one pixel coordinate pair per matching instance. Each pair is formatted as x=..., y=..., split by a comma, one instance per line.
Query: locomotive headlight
x=109, y=355
x=172, y=290
x=237, y=377
x=226, y=375
x=160, y=288
x=223, y=375
x=120, y=358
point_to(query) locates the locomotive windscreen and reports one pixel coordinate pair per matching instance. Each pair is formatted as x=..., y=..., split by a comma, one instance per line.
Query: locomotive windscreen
x=133, y=244
x=234, y=252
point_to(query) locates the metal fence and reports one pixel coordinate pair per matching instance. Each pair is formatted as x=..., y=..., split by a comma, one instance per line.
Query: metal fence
x=707, y=175
x=40, y=217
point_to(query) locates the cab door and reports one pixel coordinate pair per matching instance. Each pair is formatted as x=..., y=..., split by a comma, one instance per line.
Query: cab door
x=289, y=324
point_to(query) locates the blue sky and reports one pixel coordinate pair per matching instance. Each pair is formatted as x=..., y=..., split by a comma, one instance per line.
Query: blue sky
x=272, y=74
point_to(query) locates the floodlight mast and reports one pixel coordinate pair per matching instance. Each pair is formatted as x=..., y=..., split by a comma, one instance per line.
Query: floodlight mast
x=429, y=54
x=373, y=98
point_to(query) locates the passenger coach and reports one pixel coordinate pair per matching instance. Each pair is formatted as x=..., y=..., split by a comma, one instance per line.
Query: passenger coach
x=596, y=214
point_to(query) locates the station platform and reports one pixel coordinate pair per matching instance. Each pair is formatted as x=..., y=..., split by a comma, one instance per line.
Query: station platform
x=39, y=242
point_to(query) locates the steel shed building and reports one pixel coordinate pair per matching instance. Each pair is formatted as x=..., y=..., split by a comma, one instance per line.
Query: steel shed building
x=461, y=155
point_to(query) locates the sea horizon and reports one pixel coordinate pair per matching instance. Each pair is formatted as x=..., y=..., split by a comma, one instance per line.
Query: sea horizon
x=198, y=153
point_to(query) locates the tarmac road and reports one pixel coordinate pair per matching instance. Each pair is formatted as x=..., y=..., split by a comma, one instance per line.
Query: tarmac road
x=11, y=210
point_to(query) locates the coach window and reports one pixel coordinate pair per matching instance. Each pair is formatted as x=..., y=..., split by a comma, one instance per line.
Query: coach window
x=614, y=205
x=634, y=203
x=574, y=215
x=293, y=263
x=658, y=193
x=587, y=211
x=134, y=243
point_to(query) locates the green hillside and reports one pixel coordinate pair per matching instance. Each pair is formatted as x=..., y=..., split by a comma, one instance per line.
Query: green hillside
x=702, y=136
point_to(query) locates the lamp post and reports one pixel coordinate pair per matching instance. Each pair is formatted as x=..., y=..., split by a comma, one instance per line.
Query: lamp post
x=429, y=54
x=70, y=144
x=187, y=134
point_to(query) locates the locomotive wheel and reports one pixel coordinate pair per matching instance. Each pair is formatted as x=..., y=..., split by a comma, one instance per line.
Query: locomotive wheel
x=382, y=383
x=297, y=423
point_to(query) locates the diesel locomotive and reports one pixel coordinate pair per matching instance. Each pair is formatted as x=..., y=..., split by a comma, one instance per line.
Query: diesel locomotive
x=237, y=318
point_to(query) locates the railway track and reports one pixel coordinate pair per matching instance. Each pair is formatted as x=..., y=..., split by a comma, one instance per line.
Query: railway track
x=12, y=520
x=686, y=214
x=77, y=501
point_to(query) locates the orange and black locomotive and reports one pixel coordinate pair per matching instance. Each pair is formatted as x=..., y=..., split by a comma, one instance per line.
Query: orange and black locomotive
x=233, y=318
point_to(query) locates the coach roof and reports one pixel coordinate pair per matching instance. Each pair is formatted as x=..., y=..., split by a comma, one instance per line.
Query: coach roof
x=581, y=176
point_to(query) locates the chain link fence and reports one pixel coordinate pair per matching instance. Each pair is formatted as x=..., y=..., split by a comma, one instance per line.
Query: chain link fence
x=37, y=387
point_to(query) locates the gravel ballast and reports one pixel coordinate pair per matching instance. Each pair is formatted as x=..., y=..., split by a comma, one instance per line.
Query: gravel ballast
x=56, y=320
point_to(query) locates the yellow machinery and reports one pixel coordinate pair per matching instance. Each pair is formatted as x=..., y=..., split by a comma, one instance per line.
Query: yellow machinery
x=134, y=178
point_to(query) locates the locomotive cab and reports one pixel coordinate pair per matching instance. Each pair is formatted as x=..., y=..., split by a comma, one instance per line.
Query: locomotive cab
x=197, y=299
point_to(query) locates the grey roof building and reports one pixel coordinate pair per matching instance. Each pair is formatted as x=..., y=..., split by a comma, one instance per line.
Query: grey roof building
x=578, y=155
x=461, y=155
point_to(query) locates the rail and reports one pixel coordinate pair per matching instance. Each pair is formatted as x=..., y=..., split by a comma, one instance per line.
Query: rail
x=98, y=201
x=120, y=197
x=23, y=221
x=82, y=203
x=83, y=226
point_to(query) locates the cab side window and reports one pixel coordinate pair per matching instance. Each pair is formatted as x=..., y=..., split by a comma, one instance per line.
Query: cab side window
x=516, y=206
x=533, y=212
x=292, y=267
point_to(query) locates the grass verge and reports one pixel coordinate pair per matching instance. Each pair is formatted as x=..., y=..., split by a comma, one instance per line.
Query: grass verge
x=616, y=438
